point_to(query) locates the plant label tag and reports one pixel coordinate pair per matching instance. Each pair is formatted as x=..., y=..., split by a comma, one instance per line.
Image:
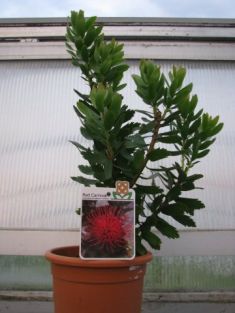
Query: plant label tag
x=108, y=222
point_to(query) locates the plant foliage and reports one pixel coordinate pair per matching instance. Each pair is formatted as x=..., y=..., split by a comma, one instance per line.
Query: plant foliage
x=122, y=149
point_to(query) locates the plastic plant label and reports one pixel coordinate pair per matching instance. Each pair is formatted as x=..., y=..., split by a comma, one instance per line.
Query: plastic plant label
x=108, y=222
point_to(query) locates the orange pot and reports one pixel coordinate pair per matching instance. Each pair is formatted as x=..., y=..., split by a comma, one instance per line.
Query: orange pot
x=96, y=286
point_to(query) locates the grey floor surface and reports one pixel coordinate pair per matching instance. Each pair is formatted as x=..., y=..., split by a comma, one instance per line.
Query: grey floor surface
x=150, y=307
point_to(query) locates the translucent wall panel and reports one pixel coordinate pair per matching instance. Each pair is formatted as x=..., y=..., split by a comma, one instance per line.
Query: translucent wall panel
x=36, y=161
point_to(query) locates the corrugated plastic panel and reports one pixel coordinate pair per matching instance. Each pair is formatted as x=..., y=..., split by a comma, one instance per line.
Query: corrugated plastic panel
x=36, y=162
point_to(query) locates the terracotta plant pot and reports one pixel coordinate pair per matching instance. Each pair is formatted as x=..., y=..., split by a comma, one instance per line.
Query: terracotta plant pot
x=96, y=286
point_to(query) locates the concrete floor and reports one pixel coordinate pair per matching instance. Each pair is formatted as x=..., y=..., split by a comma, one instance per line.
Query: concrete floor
x=148, y=307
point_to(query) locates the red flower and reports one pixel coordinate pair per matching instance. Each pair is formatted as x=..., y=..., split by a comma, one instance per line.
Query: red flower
x=106, y=227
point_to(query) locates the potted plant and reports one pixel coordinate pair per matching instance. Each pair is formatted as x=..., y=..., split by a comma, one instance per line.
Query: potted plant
x=169, y=126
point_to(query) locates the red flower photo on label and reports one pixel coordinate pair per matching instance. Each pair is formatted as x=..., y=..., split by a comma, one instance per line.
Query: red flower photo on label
x=107, y=229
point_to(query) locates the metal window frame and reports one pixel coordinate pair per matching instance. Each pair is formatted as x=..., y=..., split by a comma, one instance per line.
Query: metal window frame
x=154, y=38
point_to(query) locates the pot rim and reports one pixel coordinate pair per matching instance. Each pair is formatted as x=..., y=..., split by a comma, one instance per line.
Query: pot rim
x=54, y=257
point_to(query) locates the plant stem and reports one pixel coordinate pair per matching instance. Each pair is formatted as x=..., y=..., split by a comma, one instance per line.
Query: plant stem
x=157, y=119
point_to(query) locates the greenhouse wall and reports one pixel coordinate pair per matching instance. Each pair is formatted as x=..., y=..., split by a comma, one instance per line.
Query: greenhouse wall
x=38, y=198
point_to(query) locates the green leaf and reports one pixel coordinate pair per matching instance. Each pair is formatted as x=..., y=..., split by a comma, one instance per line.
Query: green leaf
x=108, y=166
x=166, y=229
x=78, y=145
x=85, y=134
x=86, y=169
x=138, y=159
x=146, y=128
x=184, y=220
x=183, y=93
x=78, y=22
x=156, y=203
x=135, y=141
x=81, y=95
x=181, y=72
x=138, y=81
x=173, y=209
x=170, y=118
x=195, y=126
x=203, y=153
x=148, y=189
x=116, y=104
x=87, y=109
x=192, y=203
x=169, y=139
x=84, y=181
x=194, y=177
x=140, y=249
x=109, y=120
x=97, y=97
x=90, y=37
x=187, y=186
x=120, y=87
x=158, y=154
x=84, y=54
x=90, y=22
x=198, y=114
x=153, y=240
x=216, y=130
x=78, y=112
x=206, y=144
x=193, y=103
x=173, y=193
x=149, y=114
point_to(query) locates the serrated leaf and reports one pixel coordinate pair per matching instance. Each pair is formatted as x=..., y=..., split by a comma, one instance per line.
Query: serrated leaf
x=192, y=203
x=187, y=186
x=166, y=229
x=156, y=202
x=185, y=220
x=173, y=209
x=173, y=193
x=153, y=240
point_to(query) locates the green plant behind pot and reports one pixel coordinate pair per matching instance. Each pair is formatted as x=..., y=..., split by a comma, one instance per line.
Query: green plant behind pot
x=123, y=149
